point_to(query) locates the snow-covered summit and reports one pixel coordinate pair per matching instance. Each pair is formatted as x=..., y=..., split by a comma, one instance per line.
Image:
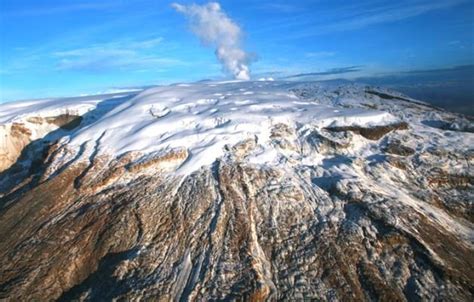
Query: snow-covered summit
x=206, y=119
x=202, y=117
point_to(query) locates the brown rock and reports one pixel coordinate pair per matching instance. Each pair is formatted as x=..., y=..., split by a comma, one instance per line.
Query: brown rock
x=372, y=133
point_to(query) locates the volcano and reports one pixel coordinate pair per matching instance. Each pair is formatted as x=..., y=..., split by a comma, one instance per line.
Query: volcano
x=236, y=190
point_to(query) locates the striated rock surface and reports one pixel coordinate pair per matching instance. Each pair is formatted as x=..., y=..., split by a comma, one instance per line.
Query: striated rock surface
x=258, y=191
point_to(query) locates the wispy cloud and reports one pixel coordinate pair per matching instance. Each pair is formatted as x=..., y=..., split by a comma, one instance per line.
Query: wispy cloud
x=115, y=55
x=320, y=54
x=354, y=16
x=333, y=71
x=119, y=46
x=279, y=7
x=467, y=69
x=388, y=13
x=61, y=9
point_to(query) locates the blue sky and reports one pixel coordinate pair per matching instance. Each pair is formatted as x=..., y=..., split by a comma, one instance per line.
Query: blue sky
x=62, y=48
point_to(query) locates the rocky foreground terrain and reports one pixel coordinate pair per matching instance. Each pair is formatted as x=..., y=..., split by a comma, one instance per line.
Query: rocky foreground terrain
x=236, y=191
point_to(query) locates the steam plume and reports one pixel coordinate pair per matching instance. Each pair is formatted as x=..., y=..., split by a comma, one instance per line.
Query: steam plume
x=214, y=28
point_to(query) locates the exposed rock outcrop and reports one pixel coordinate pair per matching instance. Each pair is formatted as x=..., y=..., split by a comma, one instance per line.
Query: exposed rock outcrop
x=372, y=133
x=14, y=137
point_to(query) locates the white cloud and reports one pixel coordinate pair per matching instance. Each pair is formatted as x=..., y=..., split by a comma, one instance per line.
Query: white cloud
x=214, y=28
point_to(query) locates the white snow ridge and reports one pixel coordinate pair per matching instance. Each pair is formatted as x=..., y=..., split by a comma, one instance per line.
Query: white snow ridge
x=194, y=117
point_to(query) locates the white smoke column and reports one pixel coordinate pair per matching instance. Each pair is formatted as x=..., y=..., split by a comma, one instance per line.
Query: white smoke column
x=216, y=29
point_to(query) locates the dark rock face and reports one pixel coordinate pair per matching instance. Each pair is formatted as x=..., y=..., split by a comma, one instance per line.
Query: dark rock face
x=65, y=121
x=372, y=133
x=397, y=148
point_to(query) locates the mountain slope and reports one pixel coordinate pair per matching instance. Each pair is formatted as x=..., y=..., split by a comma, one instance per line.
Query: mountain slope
x=236, y=190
